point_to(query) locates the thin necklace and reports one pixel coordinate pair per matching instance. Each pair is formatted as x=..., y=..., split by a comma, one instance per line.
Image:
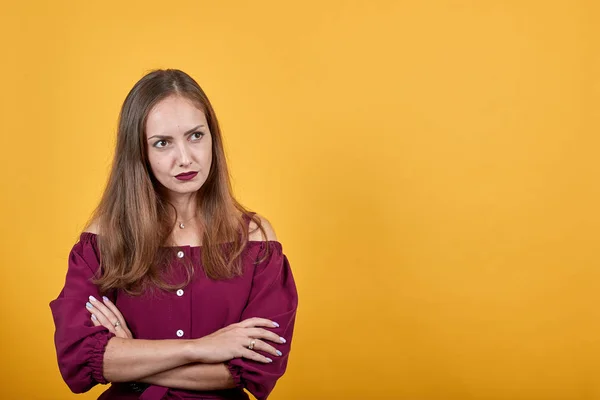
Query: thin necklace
x=182, y=223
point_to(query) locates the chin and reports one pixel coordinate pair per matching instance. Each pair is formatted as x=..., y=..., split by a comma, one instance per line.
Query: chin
x=184, y=189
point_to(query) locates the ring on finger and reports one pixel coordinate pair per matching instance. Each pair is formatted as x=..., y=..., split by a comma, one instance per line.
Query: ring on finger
x=117, y=324
x=252, y=343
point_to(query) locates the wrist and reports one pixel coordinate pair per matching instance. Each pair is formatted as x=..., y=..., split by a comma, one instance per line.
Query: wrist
x=193, y=351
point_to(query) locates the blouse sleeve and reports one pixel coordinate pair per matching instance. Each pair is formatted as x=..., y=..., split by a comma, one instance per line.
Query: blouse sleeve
x=273, y=296
x=79, y=344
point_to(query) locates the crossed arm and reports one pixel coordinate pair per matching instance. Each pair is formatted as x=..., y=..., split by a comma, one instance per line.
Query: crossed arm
x=197, y=364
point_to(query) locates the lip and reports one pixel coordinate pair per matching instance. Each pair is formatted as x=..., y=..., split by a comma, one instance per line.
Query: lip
x=186, y=176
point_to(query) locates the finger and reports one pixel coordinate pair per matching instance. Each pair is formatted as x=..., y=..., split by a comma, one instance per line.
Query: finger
x=95, y=320
x=94, y=312
x=100, y=317
x=116, y=330
x=255, y=321
x=252, y=355
x=102, y=320
x=112, y=307
x=265, y=334
x=267, y=348
x=104, y=310
x=122, y=333
x=127, y=333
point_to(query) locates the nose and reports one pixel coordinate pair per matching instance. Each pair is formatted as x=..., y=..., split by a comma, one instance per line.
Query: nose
x=184, y=159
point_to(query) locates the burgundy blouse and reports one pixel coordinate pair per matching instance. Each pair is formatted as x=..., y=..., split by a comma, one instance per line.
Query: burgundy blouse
x=265, y=289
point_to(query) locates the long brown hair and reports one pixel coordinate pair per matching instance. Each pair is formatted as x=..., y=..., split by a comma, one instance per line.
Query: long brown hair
x=133, y=216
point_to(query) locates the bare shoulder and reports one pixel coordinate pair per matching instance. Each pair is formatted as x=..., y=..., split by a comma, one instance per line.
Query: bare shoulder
x=255, y=234
x=93, y=227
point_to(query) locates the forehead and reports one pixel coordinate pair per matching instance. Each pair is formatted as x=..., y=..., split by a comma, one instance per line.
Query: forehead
x=173, y=115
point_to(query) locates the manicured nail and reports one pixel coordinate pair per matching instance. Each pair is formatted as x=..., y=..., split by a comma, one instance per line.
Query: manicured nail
x=105, y=299
x=275, y=324
x=279, y=353
x=89, y=305
x=92, y=298
x=282, y=340
x=269, y=360
x=94, y=317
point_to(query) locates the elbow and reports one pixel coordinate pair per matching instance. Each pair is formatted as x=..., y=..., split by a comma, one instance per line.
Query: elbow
x=258, y=384
x=80, y=378
x=78, y=384
x=258, y=379
x=262, y=387
x=81, y=362
x=78, y=388
x=260, y=390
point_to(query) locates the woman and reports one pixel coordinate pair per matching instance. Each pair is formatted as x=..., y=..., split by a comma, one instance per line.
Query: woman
x=174, y=290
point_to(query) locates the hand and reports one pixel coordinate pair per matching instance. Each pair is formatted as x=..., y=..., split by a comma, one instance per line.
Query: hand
x=234, y=341
x=109, y=316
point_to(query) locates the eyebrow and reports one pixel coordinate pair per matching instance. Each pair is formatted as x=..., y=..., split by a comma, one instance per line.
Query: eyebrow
x=171, y=137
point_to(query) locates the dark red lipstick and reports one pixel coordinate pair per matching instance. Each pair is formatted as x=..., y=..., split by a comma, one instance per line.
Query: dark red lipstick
x=186, y=176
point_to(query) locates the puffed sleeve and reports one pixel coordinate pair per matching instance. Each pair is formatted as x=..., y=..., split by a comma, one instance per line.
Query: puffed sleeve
x=273, y=296
x=79, y=344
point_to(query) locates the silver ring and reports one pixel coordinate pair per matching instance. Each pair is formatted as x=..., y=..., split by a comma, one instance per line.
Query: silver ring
x=252, y=342
x=117, y=324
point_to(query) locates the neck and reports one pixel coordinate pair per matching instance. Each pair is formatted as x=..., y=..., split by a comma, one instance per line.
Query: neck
x=185, y=205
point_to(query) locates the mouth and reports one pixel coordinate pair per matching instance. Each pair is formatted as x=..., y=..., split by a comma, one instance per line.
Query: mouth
x=186, y=176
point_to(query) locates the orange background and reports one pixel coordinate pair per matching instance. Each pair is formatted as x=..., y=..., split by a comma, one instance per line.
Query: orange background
x=430, y=167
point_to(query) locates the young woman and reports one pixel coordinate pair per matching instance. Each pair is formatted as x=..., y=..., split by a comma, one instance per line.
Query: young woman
x=174, y=290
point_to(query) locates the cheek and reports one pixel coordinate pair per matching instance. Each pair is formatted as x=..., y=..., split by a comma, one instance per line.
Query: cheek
x=207, y=156
x=207, y=153
x=156, y=163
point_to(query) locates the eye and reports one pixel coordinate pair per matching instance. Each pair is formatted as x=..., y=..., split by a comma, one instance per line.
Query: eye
x=160, y=144
x=197, y=135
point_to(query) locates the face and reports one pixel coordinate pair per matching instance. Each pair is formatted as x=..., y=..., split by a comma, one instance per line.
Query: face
x=179, y=145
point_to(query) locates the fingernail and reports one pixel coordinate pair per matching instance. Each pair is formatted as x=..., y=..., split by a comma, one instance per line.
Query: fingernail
x=269, y=360
x=88, y=305
x=279, y=353
x=92, y=298
x=105, y=298
x=275, y=324
x=94, y=317
x=282, y=340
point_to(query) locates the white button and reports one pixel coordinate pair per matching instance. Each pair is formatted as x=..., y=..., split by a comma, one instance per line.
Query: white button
x=180, y=293
x=180, y=333
x=180, y=254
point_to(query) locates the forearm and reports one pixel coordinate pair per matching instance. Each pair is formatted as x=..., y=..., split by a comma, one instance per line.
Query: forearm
x=127, y=360
x=194, y=377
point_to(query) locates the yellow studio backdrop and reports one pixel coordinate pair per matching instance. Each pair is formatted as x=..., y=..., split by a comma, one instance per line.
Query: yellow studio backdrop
x=430, y=167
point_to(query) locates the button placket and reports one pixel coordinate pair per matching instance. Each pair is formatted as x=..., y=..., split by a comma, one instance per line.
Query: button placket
x=180, y=292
